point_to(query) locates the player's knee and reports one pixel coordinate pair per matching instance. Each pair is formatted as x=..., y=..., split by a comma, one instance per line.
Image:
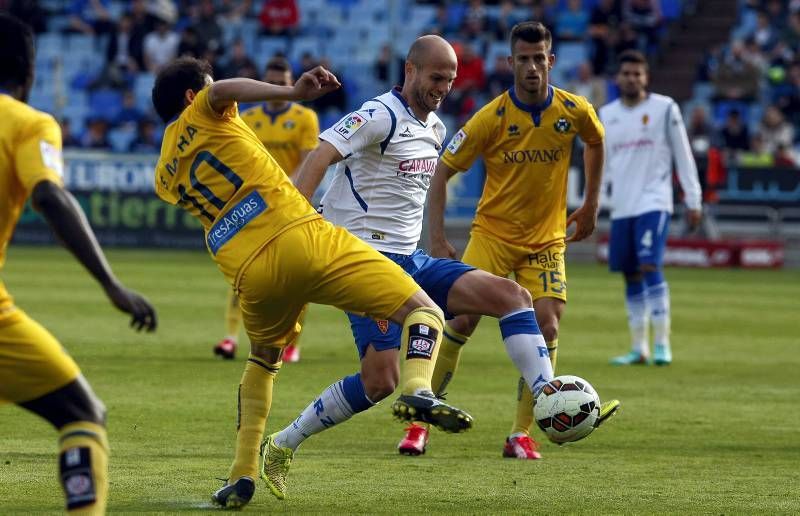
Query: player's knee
x=380, y=386
x=511, y=296
x=87, y=407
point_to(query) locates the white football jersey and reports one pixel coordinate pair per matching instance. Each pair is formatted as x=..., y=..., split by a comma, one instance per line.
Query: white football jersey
x=641, y=144
x=378, y=191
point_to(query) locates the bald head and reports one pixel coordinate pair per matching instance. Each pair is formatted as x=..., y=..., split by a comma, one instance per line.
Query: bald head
x=430, y=49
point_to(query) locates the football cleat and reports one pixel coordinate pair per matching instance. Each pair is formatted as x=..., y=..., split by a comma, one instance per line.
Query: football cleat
x=236, y=495
x=662, y=355
x=632, y=358
x=291, y=353
x=607, y=411
x=427, y=408
x=226, y=349
x=415, y=440
x=522, y=447
x=275, y=466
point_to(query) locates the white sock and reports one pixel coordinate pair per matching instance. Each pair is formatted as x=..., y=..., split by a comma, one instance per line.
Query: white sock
x=338, y=403
x=526, y=347
x=636, y=306
x=658, y=302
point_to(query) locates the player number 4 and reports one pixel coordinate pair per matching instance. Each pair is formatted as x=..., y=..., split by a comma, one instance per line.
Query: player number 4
x=647, y=238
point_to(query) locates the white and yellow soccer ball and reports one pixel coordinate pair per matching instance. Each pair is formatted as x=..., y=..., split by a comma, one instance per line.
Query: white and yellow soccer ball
x=567, y=409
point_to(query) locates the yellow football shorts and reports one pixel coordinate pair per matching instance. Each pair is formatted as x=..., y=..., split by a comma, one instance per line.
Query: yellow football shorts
x=541, y=271
x=32, y=362
x=316, y=262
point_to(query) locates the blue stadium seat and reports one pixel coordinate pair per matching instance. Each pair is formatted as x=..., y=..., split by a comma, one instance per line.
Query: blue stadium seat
x=304, y=44
x=722, y=108
x=105, y=103
x=121, y=138
x=671, y=9
x=143, y=90
x=267, y=47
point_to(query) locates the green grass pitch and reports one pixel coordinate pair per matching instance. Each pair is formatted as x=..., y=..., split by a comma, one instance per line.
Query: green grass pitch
x=717, y=432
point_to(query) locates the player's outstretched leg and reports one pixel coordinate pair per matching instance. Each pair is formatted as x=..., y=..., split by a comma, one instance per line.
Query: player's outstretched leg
x=275, y=465
x=608, y=410
x=421, y=340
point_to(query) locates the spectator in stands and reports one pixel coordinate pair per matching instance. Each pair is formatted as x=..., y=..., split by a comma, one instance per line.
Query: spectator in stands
x=505, y=19
x=30, y=12
x=776, y=13
x=191, y=45
x=130, y=112
x=700, y=133
x=208, y=30
x=736, y=78
x=791, y=35
x=336, y=101
x=475, y=21
x=90, y=17
x=279, y=18
x=307, y=62
x=96, y=135
x=734, y=135
x=160, y=46
x=125, y=47
x=501, y=78
x=785, y=157
x=572, y=22
x=441, y=24
x=775, y=130
x=625, y=38
x=233, y=12
x=605, y=15
x=471, y=74
x=788, y=97
x=757, y=155
x=386, y=58
x=588, y=85
x=146, y=140
x=142, y=24
x=764, y=34
x=67, y=138
x=239, y=63
x=644, y=16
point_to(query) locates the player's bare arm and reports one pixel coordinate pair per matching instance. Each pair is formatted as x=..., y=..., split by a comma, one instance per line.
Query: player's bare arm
x=311, y=85
x=437, y=200
x=311, y=171
x=585, y=217
x=69, y=224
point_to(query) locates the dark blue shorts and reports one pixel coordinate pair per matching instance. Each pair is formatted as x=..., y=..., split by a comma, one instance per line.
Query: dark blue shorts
x=637, y=241
x=435, y=275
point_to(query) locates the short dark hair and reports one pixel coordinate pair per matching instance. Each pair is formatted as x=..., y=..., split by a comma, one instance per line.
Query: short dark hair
x=16, y=52
x=184, y=73
x=278, y=64
x=631, y=56
x=531, y=32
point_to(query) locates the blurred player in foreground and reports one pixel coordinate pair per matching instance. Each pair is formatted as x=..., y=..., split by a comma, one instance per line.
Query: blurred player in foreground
x=278, y=254
x=387, y=152
x=289, y=131
x=645, y=136
x=37, y=373
x=525, y=136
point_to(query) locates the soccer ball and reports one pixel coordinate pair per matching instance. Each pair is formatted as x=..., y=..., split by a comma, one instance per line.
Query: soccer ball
x=567, y=409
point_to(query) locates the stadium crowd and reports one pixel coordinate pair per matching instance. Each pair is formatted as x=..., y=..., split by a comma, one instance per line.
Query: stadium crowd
x=97, y=58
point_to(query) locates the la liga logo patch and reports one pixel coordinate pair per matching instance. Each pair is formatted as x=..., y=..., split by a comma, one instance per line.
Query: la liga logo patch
x=349, y=125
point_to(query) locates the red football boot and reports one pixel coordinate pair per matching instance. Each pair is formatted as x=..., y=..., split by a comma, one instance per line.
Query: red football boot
x=291, y=353
x=415, y=440
x=522, y=447
x=226, y=349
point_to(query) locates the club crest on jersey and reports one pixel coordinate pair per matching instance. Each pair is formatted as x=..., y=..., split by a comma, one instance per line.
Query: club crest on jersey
x=383, y=325
x=289, y=124
x=456, y=141
x=350, y=125
x=562, y=125
x=645, y=119
x=513, y=130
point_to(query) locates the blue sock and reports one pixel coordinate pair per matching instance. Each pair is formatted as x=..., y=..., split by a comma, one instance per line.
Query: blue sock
x=653, y=278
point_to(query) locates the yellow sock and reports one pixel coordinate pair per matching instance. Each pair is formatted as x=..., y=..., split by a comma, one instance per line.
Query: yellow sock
x=422, y=336
x=255, y=399
x=83, y=467
x=233, y=316
x=301, y=321
x=552, y=350
x=524, y=417
x=447, y=361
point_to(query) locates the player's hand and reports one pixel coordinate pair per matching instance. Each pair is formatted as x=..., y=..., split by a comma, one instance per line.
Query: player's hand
x=693, y=217
x=585, y=219
x=442, y=249
x=142, y=312
x=315, y=83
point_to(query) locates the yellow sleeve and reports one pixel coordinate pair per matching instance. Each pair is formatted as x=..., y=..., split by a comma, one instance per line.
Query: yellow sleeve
x=309, y=138
x=38, y=153
x=591, y=130
x=467, y=144
x=202, y=106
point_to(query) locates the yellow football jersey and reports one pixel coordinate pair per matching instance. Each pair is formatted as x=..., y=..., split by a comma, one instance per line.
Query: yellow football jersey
x=285, y=133
x=526, y=150
x=30, y=152
x=215, y=167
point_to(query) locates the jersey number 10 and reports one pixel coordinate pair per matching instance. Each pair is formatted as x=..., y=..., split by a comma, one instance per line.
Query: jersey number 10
x=210, y=197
